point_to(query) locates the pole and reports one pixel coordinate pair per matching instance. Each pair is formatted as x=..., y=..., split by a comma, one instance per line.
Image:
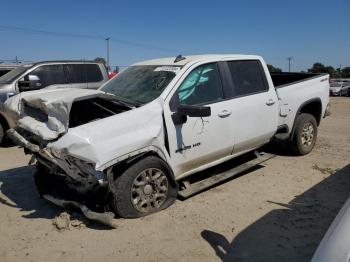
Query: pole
x=107, y=39
x=289, y=62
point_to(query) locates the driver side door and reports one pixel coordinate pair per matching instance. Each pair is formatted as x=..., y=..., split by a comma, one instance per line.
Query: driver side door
x=199, y=141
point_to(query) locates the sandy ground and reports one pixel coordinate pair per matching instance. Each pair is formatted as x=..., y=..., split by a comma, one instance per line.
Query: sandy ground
x=278, y=212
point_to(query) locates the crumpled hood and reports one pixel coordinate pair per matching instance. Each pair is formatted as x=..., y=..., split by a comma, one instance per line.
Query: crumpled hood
x=55, y=103
x=102, y=142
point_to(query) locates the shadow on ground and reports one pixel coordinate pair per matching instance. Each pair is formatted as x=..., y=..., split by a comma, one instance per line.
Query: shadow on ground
x=291, y=232
x=19, y=191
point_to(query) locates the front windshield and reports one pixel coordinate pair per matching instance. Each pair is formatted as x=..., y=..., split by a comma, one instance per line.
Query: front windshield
x=13, y=74
x=141, y=84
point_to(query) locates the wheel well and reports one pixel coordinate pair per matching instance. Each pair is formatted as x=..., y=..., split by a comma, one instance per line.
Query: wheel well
x=121, y=166
x=313, y=108
x=4, y=123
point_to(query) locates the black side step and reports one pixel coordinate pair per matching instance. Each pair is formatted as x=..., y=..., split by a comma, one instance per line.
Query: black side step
x=192, y=189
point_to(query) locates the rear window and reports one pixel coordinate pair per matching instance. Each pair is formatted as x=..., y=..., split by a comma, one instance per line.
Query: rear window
x=85, y=73
x=248, y=77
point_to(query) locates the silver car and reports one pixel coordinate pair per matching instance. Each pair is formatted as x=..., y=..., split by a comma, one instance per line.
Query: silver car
x=48, y=75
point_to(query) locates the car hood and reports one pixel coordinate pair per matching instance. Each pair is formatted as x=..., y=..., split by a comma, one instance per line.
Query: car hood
x=335, y=88
x=100, y=142
x=103, y=142
x=55, y=103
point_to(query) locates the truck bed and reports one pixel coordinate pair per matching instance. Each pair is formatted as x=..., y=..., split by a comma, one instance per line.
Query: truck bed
x=285, y=78
x=295, y=89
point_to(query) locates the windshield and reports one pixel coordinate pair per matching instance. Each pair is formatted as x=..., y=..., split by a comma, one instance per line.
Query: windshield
x=141, y=84
x=13, y=74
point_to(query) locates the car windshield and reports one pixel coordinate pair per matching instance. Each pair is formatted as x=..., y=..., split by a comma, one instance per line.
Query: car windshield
x=141, y=84
x=13, y=74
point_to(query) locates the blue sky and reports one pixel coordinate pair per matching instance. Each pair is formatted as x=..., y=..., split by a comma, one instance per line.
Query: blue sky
x=309, y=31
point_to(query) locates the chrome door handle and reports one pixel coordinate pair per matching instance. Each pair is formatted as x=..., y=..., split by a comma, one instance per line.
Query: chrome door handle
x=225, y=113
x=270, y=102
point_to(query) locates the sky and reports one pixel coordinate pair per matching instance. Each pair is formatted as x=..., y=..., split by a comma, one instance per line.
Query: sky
x=309, y=31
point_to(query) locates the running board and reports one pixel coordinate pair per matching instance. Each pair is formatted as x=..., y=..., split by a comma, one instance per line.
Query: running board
x=192, y=189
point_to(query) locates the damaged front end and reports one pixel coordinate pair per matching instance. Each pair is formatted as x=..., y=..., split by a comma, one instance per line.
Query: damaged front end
x=76, y=140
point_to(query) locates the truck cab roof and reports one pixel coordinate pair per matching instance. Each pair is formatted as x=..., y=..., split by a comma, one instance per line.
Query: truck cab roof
x=195, y=58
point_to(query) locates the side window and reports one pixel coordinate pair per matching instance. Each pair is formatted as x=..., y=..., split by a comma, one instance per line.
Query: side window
x=48, y=75
x=248, y=77
x=93, y=73
x=82, y=73
x=202, y=85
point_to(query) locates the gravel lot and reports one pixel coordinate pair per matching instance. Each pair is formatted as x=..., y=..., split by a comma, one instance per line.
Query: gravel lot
x=278, y=212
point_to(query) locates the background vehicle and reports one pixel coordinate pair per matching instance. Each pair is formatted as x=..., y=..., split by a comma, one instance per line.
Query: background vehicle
x=161, y=121
x=48, y=74
x=5, y=68
x=340, y=87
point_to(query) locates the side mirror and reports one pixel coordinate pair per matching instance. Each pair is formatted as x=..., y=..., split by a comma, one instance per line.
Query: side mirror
x=29, y=82
x=184, y=111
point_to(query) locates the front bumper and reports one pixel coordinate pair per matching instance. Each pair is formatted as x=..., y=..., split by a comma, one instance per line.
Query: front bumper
x=57, y=186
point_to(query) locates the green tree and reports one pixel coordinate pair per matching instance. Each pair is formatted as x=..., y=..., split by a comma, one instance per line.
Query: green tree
x=318, y=68
x=345, y=73
x=273, y=69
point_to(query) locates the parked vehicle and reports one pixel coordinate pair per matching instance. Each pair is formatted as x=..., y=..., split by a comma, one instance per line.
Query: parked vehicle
x=5, y=68
x=159, y=122
x=335, y=243
x=48, y=74
x=340, y=88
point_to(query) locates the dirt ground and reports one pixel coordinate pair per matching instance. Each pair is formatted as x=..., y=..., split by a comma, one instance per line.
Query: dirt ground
x=278, y=212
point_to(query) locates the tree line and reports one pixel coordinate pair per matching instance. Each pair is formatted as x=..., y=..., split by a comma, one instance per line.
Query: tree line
x=320, y=68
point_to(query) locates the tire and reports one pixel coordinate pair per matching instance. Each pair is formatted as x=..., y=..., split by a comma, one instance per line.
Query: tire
x=143, y=188
x=2, y=134
x=305, y=134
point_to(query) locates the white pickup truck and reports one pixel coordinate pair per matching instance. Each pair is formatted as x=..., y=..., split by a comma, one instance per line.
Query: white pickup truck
x=125, y=146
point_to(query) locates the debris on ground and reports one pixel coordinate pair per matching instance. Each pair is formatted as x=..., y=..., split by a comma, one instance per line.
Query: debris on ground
x=325, y=170
x=68, y=221
x=106, y=218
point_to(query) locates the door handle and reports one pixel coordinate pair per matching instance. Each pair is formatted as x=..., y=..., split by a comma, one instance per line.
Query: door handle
x=225, y=113
x=270, y=102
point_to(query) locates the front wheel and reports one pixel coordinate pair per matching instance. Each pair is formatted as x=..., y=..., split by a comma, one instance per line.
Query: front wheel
x=305, y=134
x=2, y=133
x=144, y=188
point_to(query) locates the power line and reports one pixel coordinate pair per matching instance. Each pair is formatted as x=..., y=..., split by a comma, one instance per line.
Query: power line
x=97, y=37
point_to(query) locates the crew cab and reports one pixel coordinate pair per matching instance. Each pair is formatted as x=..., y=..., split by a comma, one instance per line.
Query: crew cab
x=48, y=74
x=126, y=145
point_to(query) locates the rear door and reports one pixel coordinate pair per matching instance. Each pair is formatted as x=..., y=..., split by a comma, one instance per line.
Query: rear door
x=85, y=75
x=254, y=105
x=199, y=141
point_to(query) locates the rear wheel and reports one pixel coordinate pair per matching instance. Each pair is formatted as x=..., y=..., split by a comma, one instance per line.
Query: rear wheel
x=142, y=189
x=305, y=134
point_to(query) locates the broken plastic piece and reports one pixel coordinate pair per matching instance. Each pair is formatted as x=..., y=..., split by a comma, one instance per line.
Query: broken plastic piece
x=106, y=218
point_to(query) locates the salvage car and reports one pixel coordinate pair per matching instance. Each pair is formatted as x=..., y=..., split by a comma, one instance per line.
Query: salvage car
x=48, y=74
x=126, y=146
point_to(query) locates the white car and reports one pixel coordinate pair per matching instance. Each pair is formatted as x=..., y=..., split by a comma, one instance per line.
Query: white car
x=340, y=88
x=128, y=144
